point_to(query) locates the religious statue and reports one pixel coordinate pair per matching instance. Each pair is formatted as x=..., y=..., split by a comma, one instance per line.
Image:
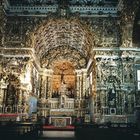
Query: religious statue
x=25, y=108
x=11, y=94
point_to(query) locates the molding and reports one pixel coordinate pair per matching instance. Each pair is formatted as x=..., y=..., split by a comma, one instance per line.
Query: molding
x=15, y=55
x=89, y=63
x=88, y=11
x=116, y=49
x=94, y=49
x=5, y=48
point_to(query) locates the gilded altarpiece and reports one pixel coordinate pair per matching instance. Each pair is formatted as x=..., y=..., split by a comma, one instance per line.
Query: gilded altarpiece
x=37, y=43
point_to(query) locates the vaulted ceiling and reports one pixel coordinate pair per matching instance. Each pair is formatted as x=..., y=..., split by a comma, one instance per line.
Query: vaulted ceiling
x=63, y=39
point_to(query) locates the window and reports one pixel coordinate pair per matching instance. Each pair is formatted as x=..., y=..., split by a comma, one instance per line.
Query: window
x=138, y=79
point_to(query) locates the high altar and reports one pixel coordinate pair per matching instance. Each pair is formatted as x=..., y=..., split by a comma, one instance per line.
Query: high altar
x=61, y=108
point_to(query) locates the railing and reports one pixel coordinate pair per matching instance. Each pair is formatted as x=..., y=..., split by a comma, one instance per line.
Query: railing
x=93, y=9
x=14, y=130
x=109, y=131
x=25, y=10
x=129, y=118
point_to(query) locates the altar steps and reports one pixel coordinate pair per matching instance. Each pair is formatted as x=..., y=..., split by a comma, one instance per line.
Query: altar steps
x=58, y=134
x=50, y=131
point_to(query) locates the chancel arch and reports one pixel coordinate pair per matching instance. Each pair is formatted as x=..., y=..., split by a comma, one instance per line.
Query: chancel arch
x=63, y=48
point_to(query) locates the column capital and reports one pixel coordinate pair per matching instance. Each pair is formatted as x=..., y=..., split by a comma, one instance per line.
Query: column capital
x=47, y=72
x=78, y=72
x=84, y=70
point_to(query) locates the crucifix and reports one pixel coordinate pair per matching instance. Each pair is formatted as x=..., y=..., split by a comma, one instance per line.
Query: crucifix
x=62, y=75
x=62, y=72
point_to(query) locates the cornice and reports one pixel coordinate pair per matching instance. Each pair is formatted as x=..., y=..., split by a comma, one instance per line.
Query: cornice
x=83, y=10
x=116, y=49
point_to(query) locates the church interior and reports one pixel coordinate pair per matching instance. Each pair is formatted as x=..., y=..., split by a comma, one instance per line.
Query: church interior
x=67, y=62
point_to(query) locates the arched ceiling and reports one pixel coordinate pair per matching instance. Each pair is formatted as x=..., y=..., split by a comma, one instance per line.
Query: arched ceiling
x=63, y=39
x=64, y=53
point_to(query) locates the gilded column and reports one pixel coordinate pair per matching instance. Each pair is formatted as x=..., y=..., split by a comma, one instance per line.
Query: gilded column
x=78, y=84
x=127, y=20
x=84, y=82
x=78, y=92
x=49, y=74
x=1, y=96
x=43, y=95
x=94, y=91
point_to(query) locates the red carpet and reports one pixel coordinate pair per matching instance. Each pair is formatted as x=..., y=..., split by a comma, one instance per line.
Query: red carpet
x=8, y=115
x=51, y=127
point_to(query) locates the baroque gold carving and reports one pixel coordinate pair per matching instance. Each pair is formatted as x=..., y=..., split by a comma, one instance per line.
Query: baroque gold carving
x=62, y=32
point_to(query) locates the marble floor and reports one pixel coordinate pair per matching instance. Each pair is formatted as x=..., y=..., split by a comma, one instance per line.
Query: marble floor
x=58, y=135
x=57, y=139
